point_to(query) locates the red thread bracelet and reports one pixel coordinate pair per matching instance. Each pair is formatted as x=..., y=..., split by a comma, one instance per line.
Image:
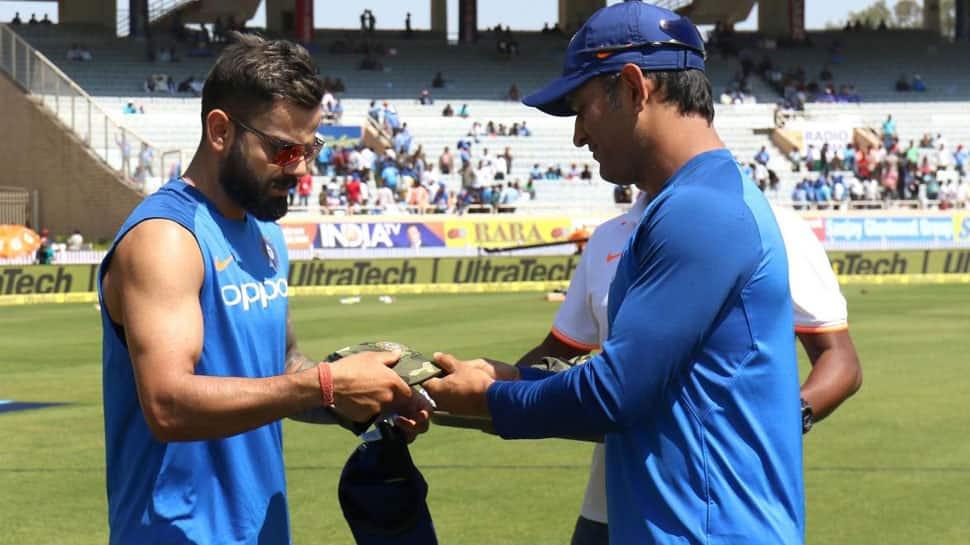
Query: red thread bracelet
x=326, y=383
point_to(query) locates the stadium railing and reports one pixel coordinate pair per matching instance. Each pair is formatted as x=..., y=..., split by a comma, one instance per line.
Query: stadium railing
x=528, y=208
x=854, y=206
x=15, y=206
x=521, y=208
x=119, y=147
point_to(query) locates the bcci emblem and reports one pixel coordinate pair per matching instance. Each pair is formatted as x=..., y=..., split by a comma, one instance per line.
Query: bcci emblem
x=389, y=346
x=274, y=260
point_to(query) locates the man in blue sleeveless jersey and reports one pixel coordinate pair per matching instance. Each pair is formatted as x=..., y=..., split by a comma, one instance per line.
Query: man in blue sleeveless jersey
x=200, y=359
x=696, y=388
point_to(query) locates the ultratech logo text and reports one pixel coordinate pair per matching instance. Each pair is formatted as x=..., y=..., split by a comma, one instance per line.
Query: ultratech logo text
x=251, y=293
x=357, y=273
x=902, y=262
x=957, y=262
x=14, y=281
x=858, y=263
x=396, y=272
x=525, y=270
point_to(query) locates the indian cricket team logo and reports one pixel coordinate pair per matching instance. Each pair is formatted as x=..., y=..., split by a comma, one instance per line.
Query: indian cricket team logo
x=274, y=260
x=389, y=346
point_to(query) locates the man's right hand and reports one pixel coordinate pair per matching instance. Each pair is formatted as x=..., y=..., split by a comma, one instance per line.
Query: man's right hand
x=363, y=384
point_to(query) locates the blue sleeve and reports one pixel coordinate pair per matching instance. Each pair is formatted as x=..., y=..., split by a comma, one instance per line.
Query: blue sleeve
x=687, y=260
x=531, y=373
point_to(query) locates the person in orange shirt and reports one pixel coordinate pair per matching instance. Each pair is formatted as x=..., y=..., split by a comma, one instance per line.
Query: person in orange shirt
x=417, y=197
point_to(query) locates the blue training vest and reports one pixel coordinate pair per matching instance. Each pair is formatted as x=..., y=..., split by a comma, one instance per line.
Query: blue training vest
x=223, y=491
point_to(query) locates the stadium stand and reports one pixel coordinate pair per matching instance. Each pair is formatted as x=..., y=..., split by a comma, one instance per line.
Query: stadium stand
x=409, y=65
x=173, y=123
x=872, y=61
x=479, y=77
x=117, y=73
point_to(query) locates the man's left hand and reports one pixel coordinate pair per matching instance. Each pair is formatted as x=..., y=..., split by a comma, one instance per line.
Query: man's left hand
x=464, y=389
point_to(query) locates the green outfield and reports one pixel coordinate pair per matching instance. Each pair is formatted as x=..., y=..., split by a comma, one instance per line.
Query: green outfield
x=891, y=467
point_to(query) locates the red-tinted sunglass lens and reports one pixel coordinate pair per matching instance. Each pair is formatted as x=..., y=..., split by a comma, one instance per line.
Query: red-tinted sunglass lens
x=289, y=155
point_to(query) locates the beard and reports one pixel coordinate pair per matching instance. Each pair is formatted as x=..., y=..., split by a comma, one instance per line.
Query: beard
x=250, y=193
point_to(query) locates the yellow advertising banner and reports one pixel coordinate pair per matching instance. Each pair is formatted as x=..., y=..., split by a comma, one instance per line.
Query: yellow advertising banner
x=492, y=232
x=961, y=227
x=32, y=284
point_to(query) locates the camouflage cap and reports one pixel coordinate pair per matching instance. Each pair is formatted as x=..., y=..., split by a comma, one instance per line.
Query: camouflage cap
x=413, y=367
x=558, y=365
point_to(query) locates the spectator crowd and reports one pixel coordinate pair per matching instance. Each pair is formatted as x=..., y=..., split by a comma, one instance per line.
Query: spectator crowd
x=402, y=179
x=798, y=89
x=930, y=171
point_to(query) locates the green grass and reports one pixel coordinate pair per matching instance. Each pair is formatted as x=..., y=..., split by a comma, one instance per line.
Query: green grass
x=890, y=467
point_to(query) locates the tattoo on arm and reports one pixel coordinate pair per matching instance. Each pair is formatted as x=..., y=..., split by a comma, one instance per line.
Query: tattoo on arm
x=296, y=362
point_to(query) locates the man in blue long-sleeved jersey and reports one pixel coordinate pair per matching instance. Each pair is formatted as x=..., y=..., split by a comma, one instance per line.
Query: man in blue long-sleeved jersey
x=696, y=389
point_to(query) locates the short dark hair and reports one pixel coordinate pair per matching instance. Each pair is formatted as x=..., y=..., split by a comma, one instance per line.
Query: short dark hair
x=252, y=73
x=689, y=89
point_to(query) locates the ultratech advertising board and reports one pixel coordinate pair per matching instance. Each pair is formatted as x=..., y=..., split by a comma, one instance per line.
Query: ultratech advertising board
x=48, y=279
x=451, y=270
x=78, y=283
x=907, y=262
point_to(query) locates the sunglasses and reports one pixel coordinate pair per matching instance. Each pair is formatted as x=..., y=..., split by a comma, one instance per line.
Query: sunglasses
x=682, y=33
x=285, y=153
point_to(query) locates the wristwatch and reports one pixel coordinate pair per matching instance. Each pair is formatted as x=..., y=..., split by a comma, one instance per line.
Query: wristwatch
x=807, y=418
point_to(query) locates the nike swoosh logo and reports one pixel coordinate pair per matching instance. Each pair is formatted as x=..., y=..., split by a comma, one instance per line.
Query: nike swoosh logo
x=221, y=265
x=613, y=257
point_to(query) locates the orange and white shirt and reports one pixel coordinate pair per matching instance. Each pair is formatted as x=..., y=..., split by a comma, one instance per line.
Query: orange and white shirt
x=581, y=321
x=816, y=298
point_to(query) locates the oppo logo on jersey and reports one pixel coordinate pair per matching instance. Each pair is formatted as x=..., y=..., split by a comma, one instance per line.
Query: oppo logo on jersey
x=252, y=294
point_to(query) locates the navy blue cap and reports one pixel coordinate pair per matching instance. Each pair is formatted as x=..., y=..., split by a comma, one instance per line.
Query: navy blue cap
x=651, y=37
x=383, y=495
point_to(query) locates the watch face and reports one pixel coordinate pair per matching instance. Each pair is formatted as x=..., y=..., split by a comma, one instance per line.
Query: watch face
x=807, y=417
